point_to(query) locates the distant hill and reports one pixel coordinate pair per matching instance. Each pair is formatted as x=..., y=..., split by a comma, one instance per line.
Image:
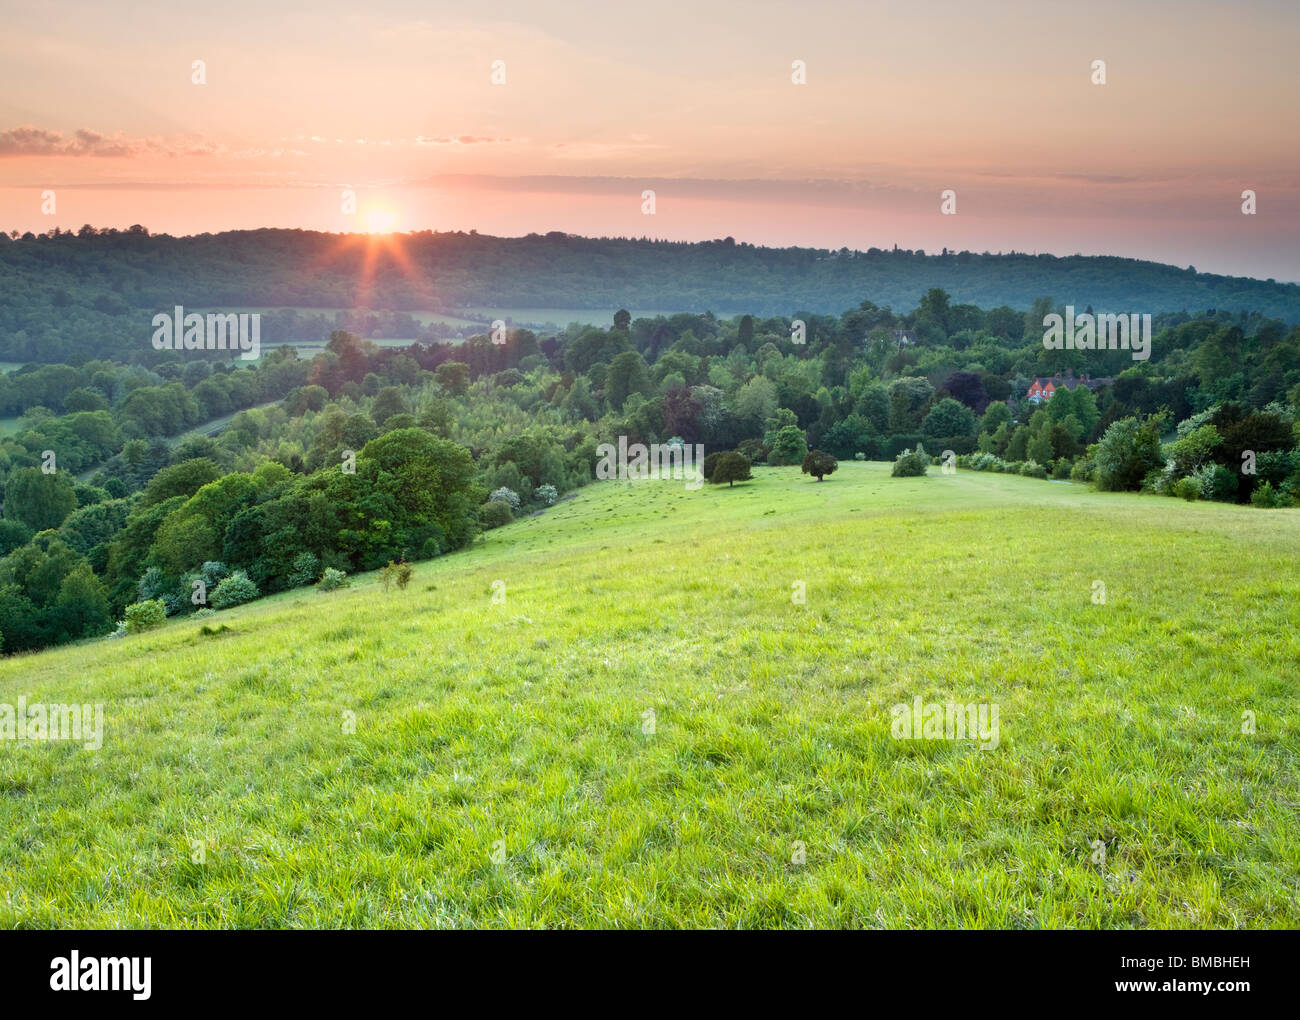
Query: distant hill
x=93, y=294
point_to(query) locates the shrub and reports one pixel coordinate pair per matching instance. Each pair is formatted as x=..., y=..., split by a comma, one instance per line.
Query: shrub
x=1061, y=469
x=1033, y=469
x=506, y=496
x=1188, y=488
x=984, y=462
x=546, y=494
x=753, y=449
x=1128, y=452
x=1082, y=471
x=1268, y=497
x=788, y=447
x=306, y=569
x=213, y=572
x=1160, y=481
x=819, y=464
x=1217, y=483
x=731, y=468
x=398, y=573
x=204, y=613
x=911, y=463
x=711, y=462
x=234, y=590
x=332, y=579
x=145, y=615
x=859, y=456
x=494, y=513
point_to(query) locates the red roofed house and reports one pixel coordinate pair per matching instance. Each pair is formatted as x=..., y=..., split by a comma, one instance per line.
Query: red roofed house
x=1041, y=390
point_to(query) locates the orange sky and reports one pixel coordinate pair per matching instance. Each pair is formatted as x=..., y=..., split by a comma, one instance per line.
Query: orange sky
x=395, y=101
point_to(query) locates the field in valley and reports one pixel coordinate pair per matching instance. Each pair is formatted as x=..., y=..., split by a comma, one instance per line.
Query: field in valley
x=648, y=731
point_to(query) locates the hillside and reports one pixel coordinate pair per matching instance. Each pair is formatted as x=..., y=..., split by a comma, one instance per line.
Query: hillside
x=95, y=295
x=499, y=773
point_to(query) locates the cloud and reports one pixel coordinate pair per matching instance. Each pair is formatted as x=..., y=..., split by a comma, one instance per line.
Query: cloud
x=33, y=141
x=459, y=140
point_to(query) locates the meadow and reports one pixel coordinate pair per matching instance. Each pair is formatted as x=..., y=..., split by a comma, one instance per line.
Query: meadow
x=617, y=714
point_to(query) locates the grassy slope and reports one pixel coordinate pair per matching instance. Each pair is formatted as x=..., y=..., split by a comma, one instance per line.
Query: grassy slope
x=522, y=722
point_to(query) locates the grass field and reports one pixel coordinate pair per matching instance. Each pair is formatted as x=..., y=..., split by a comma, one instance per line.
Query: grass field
x=501, y=772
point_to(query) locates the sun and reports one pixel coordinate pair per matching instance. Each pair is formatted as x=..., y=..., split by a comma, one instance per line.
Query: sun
x=380, y=220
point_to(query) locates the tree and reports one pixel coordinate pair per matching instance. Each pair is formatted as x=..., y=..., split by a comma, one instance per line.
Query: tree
x=819, y=464
x=388, y=402
x=622, y=319
x=788, y=447
x=82, y=606
x=1127, y=452
x=427, y=479
x=996, y=415
x=182, y=479
x=627, y=375
x=454, y=377
x=907, y=399
x=38, y=500
x=755, y=403
x=950, y=423
x=745, y=332
x=731, y=468
x=968, y=387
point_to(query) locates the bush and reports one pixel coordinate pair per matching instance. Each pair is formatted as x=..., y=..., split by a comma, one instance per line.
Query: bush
x=204, y=613
x=145, y=615
x=213, y=572
x=859, y=456
x=1128, y=452
x=753, y=449
x=980, y=462
x=398, y=573
x=235, y=590
x=1217, y=483
x=507, y=496
x=494, y=513
x=1188, y=488
x=546, y=494
x=331, y=580
x=1033, y=469
x=1061, y=469
x=1267, y=497
x=711, y=462
x=731, y=468
x=911, y=463
x=819, y=464
x=1082, y=471
x=788, y=447
x=306, y=570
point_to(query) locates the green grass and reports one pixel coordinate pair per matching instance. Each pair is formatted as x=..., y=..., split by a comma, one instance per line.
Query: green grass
x=516, y=728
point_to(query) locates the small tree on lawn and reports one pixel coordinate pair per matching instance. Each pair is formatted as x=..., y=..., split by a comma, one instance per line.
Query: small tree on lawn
x=818, y=464
x=789, y=446
x=731, y=468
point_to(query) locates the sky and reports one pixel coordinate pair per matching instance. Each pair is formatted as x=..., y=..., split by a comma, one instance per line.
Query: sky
x=302, y=104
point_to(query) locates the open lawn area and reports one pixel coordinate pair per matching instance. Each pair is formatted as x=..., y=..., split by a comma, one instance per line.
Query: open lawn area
x=617, y=714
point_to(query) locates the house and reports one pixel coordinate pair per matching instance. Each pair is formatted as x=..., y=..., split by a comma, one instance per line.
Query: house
x=1041, y=390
